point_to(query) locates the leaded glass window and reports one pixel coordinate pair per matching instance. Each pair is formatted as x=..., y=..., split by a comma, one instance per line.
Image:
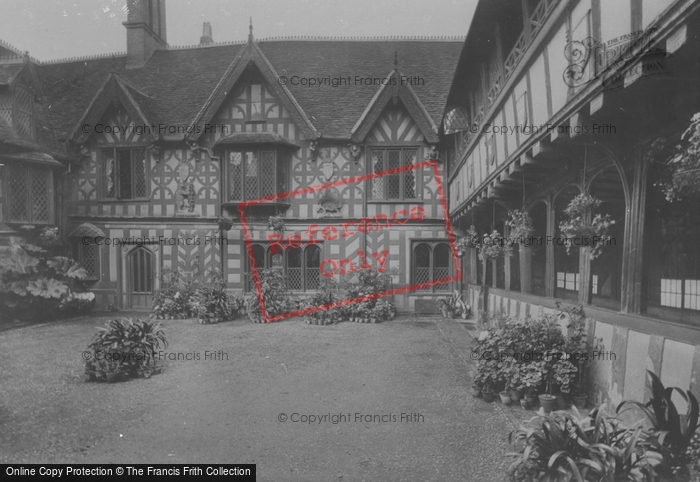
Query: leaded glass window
x=399, y=186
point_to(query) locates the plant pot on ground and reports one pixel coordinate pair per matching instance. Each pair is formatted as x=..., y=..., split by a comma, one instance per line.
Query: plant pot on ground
x=488, y=394
x=547, y=402
x=516, y=395
x=475, y=391
x=505, y=398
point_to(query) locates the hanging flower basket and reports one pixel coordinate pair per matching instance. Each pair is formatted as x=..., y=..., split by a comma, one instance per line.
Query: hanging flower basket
x=469, y=240
x=579, y=232
x=225, y=223
x=684, y=164
x=276, y=223
x=520, y=225
x=493, y=246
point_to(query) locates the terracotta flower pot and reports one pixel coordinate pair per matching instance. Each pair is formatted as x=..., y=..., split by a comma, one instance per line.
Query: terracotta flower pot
x=112, y=377
x=505, y=398
x=488, y=394
x=547, y=402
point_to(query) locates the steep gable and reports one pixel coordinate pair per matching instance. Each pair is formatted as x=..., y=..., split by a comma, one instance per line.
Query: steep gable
x=395, y=89
x=115, y=92
x=251, y=54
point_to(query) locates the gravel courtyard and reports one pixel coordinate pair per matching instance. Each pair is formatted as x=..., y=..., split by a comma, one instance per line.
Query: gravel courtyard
x=228, y=408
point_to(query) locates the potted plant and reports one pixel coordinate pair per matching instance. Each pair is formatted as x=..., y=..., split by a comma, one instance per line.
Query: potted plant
x=276, y=223
x=225, y=224
x=520, y=225
x=505, y=396
x=475, y=390
x=531, y=375
x=469, y=240
x=493, y=246
x=684, y=164
x=592, y=230
x=487, y=377
x=454, y=306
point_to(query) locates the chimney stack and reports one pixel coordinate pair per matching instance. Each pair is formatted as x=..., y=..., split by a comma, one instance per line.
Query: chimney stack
x=145, y=31
x=206, y=38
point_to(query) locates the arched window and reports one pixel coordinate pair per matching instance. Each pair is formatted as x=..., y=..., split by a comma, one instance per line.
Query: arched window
x=431, y=262
x=302, y=265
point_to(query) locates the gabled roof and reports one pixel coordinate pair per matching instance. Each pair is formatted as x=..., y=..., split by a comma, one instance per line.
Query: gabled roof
x=11, y=71
x=184, y=86
x=251, y=54
x=115, y=90
x=392, y=90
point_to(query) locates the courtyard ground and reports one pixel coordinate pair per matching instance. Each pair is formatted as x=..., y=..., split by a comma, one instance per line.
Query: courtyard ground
x=228, y=409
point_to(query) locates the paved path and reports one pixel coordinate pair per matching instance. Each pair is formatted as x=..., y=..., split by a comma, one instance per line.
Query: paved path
x=228, y=410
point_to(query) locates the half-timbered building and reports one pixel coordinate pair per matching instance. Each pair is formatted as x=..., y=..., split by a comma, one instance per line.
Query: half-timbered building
x=163, y=142
x=553, y=98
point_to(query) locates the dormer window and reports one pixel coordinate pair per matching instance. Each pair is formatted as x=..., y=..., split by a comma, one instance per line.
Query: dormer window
x=256, y=166
x=255, y=174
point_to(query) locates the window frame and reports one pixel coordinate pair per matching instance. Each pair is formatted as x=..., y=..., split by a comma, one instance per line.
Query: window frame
x=281, y=175
x=97, y=275
x=248, y=283
x=31, y=172
x=402, y=178
x=117, y=177
x=432, y=244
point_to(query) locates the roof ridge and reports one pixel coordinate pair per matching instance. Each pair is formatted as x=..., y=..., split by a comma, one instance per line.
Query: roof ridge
x=11, y=47
x=84, y=57
x=371, y=38
x=199, y=46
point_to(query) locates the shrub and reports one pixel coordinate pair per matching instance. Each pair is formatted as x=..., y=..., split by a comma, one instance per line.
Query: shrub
x=188, y=295
x=362, y=285
x=37, y=280
x=126, y=346
x=532, y=353
x=273, y=286
x=566, y=447
x=326, y=294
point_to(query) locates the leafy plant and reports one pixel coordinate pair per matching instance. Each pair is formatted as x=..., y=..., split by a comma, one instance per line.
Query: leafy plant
x=326, y=294
x=37, y=280
x=592, y=230
x=225, y=223
x=493, y=246
x=520, y=224
x=276, y=296
x=455, y=305
x=684, y=164
x=276, y=223
x=133, y=344
x=672, y=432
